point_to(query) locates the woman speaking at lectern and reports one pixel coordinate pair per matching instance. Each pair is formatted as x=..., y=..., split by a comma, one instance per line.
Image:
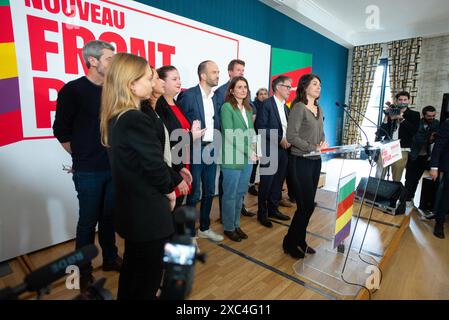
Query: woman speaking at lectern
x=305, y=133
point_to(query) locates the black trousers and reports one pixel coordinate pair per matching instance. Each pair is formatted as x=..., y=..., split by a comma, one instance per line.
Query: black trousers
x=292, y=181
x=413, y=173
x=270, y=187
x=253, y=173
x=141, y=273
x=442, y=199
x=307, y=176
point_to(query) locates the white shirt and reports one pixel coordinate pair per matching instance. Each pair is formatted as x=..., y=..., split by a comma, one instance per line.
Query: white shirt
x=396, y=137
x=243, y=111
x=209, y=113
x=280, y=105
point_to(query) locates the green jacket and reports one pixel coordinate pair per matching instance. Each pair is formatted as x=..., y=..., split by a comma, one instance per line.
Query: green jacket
x=237, y=143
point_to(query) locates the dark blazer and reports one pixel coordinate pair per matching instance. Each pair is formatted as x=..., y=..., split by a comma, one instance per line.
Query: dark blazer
x=160, y=133
x=268, y=118
x=408, y=128
x=191, y=103
x=221, y=92
x=422, y=137
x=172, y=123
x=141, y=178
x=440, y=153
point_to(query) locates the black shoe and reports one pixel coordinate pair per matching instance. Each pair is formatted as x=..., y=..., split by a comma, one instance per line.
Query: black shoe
x=233, y=235
x=266, y=223
x=438, y=232
x=247, y=213
x=85, y=282
x=252, y=190
x=293, y=251
x=278, y=215
x=241, y=234
x=113, y=266
x=307, y=249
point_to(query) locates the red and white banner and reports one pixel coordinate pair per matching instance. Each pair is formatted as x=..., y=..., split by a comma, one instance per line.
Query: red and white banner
x=390, y=153
x=53, y=32
x=38, y=200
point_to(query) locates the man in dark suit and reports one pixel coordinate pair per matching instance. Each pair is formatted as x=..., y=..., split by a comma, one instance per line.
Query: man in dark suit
x=261, y=96
x=439, y=167
x=200, y=103
x=418, y=159
x=273, y=116
x=236, y=68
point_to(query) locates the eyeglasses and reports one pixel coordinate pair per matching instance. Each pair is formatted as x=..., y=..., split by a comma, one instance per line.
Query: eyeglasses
x=284, y=85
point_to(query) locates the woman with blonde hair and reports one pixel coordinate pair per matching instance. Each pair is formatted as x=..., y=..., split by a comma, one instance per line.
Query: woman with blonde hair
x=143, y=183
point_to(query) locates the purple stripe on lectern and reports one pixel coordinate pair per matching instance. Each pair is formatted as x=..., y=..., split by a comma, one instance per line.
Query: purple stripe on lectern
x=344, y=232
x=9, y=93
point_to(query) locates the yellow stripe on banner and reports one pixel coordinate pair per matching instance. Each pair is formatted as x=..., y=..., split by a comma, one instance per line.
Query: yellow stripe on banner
x=8, y=65
x=343, y=220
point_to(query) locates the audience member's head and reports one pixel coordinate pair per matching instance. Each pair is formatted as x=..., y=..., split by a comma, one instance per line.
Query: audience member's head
x=97, y=55
x=262, y=94
x=236, y=68
x=208, y=73
x=238, y=90
x=281, y=87
x=403, y=98
x=429, y=113
x=309, y=88
x=128, y=81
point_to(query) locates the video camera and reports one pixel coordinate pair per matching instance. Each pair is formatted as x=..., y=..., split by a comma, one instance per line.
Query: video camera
x=394, y=109
x=40, y=280
x=180, y=255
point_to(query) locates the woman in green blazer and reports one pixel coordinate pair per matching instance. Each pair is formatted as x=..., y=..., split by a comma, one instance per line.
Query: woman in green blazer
x=237, y=154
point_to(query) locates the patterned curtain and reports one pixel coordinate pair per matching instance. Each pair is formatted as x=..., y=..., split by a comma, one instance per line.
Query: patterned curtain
x=365, y=60
x=404, y=57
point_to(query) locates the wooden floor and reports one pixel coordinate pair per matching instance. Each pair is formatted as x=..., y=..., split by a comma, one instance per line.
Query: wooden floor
x=257, y=268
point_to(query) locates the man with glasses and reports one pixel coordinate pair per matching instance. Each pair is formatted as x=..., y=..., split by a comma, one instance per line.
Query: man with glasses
x=273, y=116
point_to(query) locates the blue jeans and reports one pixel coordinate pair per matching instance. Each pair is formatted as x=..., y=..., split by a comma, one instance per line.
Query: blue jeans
x=203, y=175
x=96, y=196
x=235, y=185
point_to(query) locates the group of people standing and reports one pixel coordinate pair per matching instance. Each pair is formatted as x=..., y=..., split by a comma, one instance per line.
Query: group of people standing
x=138, y=153
x=424, y=146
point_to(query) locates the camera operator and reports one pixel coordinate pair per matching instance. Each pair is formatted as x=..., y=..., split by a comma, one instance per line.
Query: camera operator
x=401, y=123
x=419, y=156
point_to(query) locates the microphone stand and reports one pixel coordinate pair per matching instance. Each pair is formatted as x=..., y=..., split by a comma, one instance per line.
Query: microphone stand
x=367, y=147
x=371, y=121
x=370, y=152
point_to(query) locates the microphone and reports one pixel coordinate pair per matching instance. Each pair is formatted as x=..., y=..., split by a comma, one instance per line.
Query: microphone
x=355, y=122
x=364, y=117
x=51, y=272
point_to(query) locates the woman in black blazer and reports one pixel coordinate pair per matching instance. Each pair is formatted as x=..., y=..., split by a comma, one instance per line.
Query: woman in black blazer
x=142, y=180
x=176, y=123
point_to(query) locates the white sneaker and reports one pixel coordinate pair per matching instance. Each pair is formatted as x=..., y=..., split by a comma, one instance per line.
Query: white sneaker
x=196, y=244
x=209, y=234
